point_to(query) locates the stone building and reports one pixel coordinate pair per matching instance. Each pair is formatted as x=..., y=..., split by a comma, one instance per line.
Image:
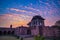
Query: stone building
x=36, y=27
x=7, y=31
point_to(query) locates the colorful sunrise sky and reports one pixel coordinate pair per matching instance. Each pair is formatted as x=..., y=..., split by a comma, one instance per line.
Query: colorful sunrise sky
x=20, y=12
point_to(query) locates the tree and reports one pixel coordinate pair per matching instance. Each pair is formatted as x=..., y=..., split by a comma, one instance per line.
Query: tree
x=39, y=37
x=21, y=38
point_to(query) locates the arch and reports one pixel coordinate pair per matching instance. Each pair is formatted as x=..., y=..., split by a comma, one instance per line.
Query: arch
x=9, y=32
x=4, y=32
x=0, y=32
x=40, y=31
x=28, y=32
x=12, y=32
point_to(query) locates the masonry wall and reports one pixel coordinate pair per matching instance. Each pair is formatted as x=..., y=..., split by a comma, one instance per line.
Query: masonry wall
x=20, y=31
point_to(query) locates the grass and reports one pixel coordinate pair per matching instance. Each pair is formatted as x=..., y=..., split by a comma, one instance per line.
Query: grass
x=8, y=38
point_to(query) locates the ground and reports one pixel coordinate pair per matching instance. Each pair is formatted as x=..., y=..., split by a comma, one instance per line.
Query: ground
x=8, y=38
x=14, y=38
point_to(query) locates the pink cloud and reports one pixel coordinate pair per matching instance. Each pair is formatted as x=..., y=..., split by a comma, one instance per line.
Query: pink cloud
x=30, y=8
x=17, y=10
x=14, y=19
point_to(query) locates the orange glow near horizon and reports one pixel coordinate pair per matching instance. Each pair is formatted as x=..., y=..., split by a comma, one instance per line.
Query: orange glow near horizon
x=14, y=19
x=19, y=20
x=22, y=23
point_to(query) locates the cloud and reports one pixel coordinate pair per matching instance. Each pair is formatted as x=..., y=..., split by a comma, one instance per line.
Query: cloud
x=36, y=11
x=23, y=11
x=14, y=19
x=51, y=20
x=17, y=10
x=30, y=8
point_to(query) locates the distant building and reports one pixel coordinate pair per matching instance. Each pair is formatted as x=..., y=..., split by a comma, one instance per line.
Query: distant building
x=57, y=23
x=36, y=27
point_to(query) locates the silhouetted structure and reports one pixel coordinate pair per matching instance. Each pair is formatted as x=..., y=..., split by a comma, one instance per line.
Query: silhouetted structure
x=36, y=27
x=10, y=26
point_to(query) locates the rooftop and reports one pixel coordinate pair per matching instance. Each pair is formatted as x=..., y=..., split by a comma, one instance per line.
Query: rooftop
x=37, y=17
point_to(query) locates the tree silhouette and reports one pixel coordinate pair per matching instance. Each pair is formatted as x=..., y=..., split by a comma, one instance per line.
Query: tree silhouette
x=38, y=37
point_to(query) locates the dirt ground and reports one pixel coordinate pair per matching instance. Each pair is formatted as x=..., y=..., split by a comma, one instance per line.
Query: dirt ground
x=14, y=38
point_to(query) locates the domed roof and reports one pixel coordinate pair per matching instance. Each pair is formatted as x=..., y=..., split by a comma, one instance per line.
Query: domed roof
x=37, y=17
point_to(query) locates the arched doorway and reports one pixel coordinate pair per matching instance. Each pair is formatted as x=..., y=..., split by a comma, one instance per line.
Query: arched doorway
x=12, y=32
x=28, y=32
x=4, y=33
x=40, y=31
x=9, y=32
x=0, y=32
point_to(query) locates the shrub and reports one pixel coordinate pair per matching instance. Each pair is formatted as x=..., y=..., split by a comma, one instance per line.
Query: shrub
x=38, y=37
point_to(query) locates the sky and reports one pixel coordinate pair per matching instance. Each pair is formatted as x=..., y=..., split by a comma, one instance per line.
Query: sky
x=20, y=12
